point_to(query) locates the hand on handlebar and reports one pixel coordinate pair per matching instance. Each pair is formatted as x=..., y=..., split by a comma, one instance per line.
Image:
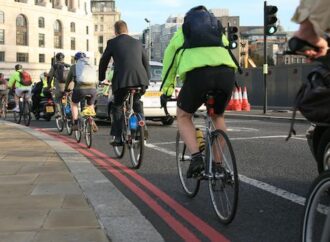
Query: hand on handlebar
x=163, y=100
x=302, y=47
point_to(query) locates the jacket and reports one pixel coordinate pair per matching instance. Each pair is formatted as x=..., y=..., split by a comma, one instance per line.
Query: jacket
x=317, y=12
x=131, y=63
x=15, y=80
x=189, y=59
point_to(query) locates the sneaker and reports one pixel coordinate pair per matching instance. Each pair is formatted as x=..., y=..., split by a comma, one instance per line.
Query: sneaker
x=16, y=109
x=117, y=141
x=88, y=112
x=94, y=127
x=196, y=166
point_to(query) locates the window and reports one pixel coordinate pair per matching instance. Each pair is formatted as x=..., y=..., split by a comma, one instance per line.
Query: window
x=73, y=43
x=87, y=30
x=101, y=18
x=95, y=27
x=21, y=30
x=22, y=57
x=101, y=28
x=2, y=36
x=42, y=40
x=41, y=58
x=2, y=56
x=72, y=27
x=58, y=34
x=2, y=17
x=41, y=22
x=87, y=45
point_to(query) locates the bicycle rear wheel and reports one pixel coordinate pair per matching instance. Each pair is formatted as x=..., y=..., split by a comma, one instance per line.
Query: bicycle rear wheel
x=183, y=158
x=316, y=222
x=136, y=147
x=223, y=185
x=68, y=126
x=77, y=133
x=26, y=113
x=18, y=115
x=88, y=132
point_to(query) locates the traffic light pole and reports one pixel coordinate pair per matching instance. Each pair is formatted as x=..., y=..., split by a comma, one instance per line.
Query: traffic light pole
x=265, y=66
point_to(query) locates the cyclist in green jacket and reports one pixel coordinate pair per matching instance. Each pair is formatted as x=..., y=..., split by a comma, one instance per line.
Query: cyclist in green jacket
x=202, y=69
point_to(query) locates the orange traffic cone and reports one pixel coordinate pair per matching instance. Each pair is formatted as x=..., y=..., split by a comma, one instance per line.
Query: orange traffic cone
x=230, y=103
x=236, y=104
x=245, y=102
x=240, y=95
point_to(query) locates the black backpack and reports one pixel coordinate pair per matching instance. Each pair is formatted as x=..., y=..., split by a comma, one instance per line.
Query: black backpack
x=201, y=29
x=60, y=72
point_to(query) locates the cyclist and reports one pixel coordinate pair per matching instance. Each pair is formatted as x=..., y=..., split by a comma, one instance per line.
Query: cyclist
x=80, y=91
x=131, y=70
x=314, y=19
x=41, y=90
x=58, y=72
x=202, y=69
x=15, y=83
x=3, y=90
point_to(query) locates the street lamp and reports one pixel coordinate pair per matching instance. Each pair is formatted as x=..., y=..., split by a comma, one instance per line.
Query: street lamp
x=149, y=39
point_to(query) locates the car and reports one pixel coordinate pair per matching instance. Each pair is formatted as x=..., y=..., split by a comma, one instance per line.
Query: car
x=151, y=99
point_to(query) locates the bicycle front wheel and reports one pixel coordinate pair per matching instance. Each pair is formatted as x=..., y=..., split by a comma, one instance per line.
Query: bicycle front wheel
x=77, y=133
x=223, y=185
x=136, y=147
x=68, y=126
x=183, y=158
x=316, y=222
x=26, y=113
x=88, y=132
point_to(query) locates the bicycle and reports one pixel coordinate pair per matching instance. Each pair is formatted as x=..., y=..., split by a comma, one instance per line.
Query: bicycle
x=220, y=167
x=85, y=128
x=133, y=134
x=316, y=221
x=3, y=107
x=25, y=109
x=66, y=116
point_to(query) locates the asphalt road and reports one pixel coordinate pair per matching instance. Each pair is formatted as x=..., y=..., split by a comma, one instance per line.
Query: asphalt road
x=275, y=176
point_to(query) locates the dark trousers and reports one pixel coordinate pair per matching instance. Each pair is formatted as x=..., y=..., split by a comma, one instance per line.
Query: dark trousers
x=117, y=110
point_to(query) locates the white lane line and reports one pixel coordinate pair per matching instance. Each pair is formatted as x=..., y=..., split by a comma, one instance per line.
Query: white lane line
x=245, y=138
x=261, y=185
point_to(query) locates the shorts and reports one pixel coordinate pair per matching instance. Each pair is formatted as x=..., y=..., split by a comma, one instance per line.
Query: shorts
x=19, y=91
x=79, y=95
x=200, y=81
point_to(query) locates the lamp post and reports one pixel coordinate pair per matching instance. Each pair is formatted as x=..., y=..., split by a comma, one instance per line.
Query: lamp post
x=149, y=38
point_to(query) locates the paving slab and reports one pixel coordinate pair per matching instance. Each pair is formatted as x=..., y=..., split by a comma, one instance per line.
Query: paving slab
x=86, y=235
x=56, y=188
x=39, y=201
x=66, y=218
x=55, y=177
x=17, y=236
x=75, y=201
x=18, y=179
x=15, y=190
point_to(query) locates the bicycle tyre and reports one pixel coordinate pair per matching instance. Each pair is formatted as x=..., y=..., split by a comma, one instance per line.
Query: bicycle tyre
x=68, y=126
x=119, y=150
x=26, y=113
x=4, y=109
x=18, y=115
x=316, y=207
x=223, y=185
x=136, y=147
x=183, y=158
x=88, y=132
x=77, y=133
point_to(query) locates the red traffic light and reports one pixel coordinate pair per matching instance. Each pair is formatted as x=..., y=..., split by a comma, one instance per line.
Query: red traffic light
x=270, y=10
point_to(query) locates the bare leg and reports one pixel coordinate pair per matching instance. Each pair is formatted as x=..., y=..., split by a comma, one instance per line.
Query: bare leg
x=74, y=109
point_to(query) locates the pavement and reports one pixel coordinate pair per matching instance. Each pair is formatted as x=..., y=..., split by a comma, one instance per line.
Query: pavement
x=51, y=192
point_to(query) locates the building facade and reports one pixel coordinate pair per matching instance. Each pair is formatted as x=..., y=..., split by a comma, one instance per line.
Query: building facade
x=105, y=15
x=33, y=31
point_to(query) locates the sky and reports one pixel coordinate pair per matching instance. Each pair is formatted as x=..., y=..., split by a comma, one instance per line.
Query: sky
x=157, y=11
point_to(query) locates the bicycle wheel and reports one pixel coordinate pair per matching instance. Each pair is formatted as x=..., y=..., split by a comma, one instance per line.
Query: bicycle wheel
x=223, y=185
x=77, y=133
x=4, y=109
x=183, y=158
x=88, y=132
x=136, y=147
x=316, y=222
x=68, y=126
x=26, y=113
x=18, y=115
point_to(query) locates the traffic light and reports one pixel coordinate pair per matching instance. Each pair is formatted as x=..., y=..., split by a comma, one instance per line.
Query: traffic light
x=270, y=19
x=232, y=36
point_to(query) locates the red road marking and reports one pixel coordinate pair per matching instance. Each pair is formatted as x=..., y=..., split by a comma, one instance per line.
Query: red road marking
x=195, y=221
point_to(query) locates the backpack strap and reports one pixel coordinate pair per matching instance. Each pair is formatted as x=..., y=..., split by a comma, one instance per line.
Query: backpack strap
x=239, y=69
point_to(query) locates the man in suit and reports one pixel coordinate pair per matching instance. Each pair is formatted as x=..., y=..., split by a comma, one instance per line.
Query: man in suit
x=131, y=70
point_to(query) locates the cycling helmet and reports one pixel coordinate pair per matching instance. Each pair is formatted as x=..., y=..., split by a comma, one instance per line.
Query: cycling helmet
x=59, y=56
x=79, y=55
x=18, y=67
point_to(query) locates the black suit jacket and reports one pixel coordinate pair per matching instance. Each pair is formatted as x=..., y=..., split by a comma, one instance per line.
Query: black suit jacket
x=131, y=63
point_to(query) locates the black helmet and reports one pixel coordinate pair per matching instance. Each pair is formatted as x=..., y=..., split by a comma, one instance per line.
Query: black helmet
x=18, y=67
x=59, y=56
